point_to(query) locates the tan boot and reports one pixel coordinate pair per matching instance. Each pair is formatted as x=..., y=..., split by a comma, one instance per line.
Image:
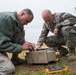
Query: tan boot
x=72, y=56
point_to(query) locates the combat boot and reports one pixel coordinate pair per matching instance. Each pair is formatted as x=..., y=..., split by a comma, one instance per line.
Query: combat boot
x=72, y=56
x=63, y=51
x=16, y=60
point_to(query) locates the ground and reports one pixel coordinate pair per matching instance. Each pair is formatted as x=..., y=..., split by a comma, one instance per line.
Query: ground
x=27, y=69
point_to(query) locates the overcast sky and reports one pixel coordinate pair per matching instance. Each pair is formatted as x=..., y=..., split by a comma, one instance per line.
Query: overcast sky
x=33, y=30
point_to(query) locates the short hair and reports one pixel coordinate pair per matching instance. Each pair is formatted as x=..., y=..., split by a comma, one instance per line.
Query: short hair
x=28, y=11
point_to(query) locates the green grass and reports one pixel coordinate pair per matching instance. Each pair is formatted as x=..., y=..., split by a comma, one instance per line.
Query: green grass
x=26, y=69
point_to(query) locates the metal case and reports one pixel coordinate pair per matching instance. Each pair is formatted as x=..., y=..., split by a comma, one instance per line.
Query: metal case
x=41, y=56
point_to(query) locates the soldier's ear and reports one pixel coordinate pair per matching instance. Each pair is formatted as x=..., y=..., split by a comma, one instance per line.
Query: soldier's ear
x=23, y=13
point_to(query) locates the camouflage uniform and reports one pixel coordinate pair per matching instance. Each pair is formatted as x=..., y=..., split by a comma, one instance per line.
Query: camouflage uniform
x=67, y=31
x=11, y=39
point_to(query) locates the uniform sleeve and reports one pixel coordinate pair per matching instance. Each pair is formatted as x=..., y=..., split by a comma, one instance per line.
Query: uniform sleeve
x=7, y=46
x=66, y=20
x=43, y=35
x=5, y=37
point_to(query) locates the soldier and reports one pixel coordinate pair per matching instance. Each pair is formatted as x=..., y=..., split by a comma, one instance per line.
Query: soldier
x=12, y=38
x=62, y=25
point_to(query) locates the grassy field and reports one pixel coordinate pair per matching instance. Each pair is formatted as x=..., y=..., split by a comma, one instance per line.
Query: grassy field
x=27, y=69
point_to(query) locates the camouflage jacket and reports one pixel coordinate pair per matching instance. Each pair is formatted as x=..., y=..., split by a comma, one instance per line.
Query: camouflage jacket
x=11, y=32
x=60, y=20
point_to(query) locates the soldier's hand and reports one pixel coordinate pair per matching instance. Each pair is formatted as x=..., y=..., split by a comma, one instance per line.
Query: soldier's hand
x=56, y=31
x=28, y=46
x=37, y=47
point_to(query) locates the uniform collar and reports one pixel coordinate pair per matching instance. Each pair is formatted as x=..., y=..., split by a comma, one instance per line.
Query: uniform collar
x=17, y=20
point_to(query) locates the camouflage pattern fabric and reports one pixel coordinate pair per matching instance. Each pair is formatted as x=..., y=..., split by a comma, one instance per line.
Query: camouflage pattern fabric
x=67, y=32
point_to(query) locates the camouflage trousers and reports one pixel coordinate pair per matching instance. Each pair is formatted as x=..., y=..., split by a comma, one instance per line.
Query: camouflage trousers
x=6, y=66
x=67, y=37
